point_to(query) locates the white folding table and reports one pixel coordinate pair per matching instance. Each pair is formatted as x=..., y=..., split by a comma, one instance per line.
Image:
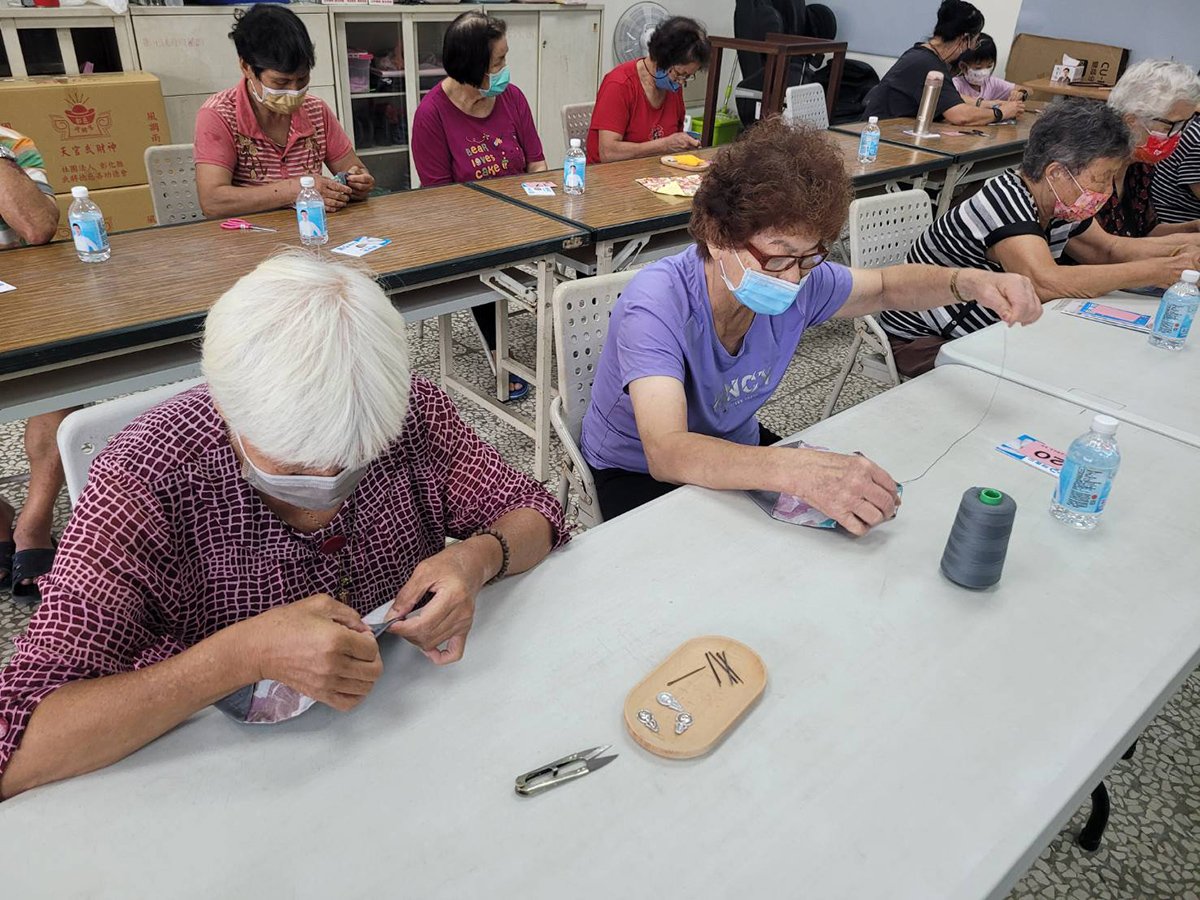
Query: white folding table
x=915, y=739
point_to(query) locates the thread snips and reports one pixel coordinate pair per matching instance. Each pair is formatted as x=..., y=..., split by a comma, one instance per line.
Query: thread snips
x=563, y=770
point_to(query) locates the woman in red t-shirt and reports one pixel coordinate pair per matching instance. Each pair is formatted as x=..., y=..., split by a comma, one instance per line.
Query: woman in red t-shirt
x=639, y=107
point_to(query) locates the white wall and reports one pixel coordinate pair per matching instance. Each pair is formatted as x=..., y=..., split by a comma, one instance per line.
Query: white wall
x=717, y=16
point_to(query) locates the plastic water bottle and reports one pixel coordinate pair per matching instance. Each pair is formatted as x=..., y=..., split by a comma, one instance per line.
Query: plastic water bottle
x=574, y=168
x=1175, y=313
x=1087, y=475
x=310, y=214
x=868, y=142
x=87, y=227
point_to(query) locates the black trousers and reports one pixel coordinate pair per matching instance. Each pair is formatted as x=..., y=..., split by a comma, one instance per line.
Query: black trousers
x=485, y=315
x=619, y=490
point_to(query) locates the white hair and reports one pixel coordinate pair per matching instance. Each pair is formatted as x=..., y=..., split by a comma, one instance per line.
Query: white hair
x=308, y=360
x=1150, y=88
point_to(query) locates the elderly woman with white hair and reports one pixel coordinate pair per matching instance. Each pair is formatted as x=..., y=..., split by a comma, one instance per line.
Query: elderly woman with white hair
x=237, y=534
x=1157, y=99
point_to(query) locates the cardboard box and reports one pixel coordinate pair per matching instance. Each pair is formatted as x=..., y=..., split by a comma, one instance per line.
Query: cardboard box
x=124, y=208
x=91, y=129
x=1034, y=56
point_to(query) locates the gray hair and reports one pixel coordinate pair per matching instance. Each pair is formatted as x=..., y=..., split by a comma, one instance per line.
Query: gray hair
x=308, y=360
x=1149, y=89
x=1075, y=133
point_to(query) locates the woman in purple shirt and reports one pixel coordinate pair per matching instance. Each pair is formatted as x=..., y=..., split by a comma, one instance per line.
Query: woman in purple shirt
x=476, y=125
x=699, y=341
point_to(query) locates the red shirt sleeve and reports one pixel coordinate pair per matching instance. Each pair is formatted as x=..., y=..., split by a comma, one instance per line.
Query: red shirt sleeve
x=337, y=143
x=526, y=129
x=213, y=144
x=430, y=150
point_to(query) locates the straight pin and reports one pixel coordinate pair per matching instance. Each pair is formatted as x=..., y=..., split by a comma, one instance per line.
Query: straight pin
x=688, y=675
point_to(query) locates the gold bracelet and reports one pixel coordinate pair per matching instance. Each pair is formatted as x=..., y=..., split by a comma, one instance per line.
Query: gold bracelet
x=954, y=292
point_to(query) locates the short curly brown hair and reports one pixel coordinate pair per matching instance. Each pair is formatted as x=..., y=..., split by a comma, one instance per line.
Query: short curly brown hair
x=775, y=176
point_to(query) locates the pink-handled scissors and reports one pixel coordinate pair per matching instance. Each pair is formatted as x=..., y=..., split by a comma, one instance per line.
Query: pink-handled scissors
x=243, y=225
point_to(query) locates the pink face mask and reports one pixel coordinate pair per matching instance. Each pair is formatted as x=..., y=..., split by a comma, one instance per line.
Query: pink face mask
x=1086, y=205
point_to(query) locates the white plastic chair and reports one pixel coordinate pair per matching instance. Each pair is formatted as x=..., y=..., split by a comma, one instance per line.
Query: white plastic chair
x=171, y=170
x=806, y=103
x=85, y=432
x=576, y=120
x=581, y=311
x=882, y=229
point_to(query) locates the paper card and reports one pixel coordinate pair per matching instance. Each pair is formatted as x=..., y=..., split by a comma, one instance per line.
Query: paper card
x=361, y=246
x=1033, y=452
x=5, y=287
x=538, y=188
x=1109, y=315
x=673, y=186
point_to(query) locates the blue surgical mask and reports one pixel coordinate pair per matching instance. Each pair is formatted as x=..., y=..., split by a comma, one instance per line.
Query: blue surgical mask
x=762, y=293
x=314, y=492
x=664, y=83
x=497, y=82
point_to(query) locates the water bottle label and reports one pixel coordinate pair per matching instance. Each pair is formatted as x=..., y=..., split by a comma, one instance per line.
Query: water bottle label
x=574, y=174
x=868, y=144
x=1173, y=320
x=1083, y=489
x=88, y=234
x=310, y=217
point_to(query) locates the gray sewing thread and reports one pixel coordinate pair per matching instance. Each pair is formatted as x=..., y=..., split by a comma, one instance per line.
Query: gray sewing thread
x=978, y=542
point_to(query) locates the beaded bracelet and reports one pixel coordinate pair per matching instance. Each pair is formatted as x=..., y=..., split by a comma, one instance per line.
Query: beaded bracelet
x=503, y=551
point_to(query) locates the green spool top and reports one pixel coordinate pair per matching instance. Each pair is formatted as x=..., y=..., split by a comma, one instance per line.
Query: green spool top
x=990, y=496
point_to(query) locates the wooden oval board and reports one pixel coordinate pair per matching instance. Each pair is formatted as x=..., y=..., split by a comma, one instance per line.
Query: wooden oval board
x=671, y=162
x=695, y=676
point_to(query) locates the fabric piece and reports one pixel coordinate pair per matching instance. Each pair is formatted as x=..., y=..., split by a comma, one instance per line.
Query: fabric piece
x=228, y=135
x=1001, y=209
x=663, y=325
x=29, y=158
x=993, y=89
x=898, y=93
x=1130, y=212
x=1171, y=189
x=169, y=544
x=451, y=147
x=623, y=108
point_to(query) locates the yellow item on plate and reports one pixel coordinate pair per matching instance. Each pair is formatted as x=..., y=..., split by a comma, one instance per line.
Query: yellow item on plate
x=688, y=159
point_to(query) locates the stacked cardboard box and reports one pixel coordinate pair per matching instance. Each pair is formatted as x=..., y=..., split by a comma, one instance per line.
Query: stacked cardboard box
x=92, y=130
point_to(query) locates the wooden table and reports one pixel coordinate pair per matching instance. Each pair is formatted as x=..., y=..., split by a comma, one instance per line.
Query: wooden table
x=973, y=157
x=1046, y=86
x=894, y=163
x=916, y=740
x=1112, y=370
x=77, y=332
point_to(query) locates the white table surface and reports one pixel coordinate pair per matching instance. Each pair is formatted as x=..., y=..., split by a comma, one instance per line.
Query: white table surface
x=1110, y=369
x=915, y=740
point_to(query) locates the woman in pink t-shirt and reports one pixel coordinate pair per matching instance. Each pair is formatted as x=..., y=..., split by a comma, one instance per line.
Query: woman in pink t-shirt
x=475, y=125
x=975, y=80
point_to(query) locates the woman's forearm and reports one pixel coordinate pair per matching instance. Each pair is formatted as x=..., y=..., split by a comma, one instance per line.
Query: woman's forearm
x=1188, y=230
x=1086, y=281
x=227, y=200
x=86, y=725
x=688, y=458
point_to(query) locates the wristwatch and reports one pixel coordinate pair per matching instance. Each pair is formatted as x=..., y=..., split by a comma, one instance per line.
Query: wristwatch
x=998, y=113
x=5, y=153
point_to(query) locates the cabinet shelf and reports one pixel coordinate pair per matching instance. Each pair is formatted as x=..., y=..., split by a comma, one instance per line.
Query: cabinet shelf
x=376, y=95
x=376, y=151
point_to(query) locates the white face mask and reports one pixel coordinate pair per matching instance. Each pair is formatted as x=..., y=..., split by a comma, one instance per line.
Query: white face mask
x=314, y=492
x=978, y=76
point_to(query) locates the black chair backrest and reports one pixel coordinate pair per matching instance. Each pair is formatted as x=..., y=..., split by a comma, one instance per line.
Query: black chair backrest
x=821, y=22
x=753, y=20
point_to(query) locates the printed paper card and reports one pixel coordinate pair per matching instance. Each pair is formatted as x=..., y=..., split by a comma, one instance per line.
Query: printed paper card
x=538, y=188
x=361, y=246
x=1109, y=315
x=1033, y=452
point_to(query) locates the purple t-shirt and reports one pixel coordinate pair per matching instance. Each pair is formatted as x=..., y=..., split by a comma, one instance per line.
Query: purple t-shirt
x=451, y=147
x=663, y=325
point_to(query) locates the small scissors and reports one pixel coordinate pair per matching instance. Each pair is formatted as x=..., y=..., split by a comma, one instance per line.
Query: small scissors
x=576, y=765
x=243, y=225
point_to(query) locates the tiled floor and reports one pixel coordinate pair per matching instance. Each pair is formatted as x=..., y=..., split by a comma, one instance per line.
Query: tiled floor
x=1152, y=848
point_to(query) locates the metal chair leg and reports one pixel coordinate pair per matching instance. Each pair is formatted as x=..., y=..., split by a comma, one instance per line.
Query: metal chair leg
x=1089, y=838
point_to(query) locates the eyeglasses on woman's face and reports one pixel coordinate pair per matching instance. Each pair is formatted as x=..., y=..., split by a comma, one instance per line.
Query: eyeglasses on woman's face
x=782, y=263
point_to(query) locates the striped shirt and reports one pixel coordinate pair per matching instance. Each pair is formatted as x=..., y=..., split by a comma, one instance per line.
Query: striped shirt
x=30, y=161
x=1174, y=178
x=1003, y=208
x=169, y=543
x=228, y=135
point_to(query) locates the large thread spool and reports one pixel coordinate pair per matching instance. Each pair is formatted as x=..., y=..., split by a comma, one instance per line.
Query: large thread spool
x=978, y=542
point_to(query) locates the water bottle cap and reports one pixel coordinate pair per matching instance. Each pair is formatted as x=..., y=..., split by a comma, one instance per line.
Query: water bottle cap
x=1104, y=425
x=79, y=192
x=576, y=143
x=873, y=120
x=1191, y=276
x=990, y=497
x=307, y=181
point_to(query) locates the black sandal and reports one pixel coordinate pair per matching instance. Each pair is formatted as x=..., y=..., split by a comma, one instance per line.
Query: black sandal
x=7, y=549
x=29, y=565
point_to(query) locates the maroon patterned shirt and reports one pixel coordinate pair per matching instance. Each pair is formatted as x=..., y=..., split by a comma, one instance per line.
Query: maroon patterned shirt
x=1131, y=214
x=169, y=544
